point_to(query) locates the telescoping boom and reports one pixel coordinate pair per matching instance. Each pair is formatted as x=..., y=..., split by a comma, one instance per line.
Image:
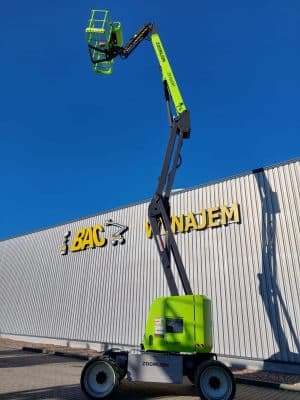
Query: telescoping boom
x=179, y=118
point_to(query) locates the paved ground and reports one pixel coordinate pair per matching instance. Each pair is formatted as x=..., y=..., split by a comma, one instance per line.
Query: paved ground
x=27, y=375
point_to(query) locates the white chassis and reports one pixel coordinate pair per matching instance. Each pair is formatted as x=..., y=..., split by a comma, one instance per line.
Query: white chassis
x=102, y=375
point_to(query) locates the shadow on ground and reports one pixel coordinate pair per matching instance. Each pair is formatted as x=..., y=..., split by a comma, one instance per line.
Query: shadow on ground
x=57, y=392
x=127, y=391
x=241, y=371
x=19, y=358
x=5, y=352
x=140, y=390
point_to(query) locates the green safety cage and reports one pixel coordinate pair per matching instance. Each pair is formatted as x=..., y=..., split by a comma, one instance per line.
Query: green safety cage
x=101, y=35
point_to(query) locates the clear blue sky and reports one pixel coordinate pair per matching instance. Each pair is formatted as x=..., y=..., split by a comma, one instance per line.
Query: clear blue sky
x=75, y=144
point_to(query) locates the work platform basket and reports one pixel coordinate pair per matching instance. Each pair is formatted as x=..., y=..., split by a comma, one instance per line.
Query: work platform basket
x=101, y=35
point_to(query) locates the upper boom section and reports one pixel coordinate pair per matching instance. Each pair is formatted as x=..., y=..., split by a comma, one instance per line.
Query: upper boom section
x=167, y=74
x=105, y=42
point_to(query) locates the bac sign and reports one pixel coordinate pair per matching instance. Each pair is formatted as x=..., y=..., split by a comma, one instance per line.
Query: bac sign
x=88, y=237
x=94, y=236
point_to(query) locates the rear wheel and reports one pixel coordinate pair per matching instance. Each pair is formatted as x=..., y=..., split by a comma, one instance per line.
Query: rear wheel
x=100, y=378
x=214, y=381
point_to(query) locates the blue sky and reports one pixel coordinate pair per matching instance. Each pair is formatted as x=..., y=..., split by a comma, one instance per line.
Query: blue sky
x=74, y=143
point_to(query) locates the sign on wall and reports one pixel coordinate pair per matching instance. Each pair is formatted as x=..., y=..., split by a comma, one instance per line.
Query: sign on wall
x=92, y=237
x=96, y=236
x=206, y=218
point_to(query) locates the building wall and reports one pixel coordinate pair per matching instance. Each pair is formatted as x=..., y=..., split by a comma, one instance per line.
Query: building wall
x=249, y=269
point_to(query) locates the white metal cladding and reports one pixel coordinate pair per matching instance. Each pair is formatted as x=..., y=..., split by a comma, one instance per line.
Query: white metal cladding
x=250, y=270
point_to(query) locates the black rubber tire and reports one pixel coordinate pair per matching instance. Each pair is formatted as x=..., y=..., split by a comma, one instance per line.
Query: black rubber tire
x=100, y=378
x=214, y=381
x=109, y=353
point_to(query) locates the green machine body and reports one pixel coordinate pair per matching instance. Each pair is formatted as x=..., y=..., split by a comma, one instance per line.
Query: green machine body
x=180, y=324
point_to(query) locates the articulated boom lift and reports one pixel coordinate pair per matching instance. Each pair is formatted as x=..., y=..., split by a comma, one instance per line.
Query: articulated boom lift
x=178, y=335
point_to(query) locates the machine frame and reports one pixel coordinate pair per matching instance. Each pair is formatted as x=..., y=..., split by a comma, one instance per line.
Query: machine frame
x=102, y=375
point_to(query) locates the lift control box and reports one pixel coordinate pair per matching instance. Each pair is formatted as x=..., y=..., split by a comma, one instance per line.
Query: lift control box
x=180, y=324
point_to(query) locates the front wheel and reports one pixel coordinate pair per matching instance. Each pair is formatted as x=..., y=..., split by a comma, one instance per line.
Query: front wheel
x=100, y=378
x=214, y=381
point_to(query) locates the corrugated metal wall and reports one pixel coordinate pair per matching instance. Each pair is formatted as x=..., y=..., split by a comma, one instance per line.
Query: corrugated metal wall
x=249, y=269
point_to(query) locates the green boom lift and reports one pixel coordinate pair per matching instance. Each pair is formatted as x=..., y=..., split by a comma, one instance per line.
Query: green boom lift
x=178, y=335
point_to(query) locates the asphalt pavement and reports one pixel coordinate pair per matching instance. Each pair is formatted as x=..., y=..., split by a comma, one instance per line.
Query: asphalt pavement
x=31, y=375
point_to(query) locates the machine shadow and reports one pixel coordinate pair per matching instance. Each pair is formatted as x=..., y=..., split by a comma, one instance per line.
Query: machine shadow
x=269, y=289
x=140, y=390
x=127, y=391
x=71, y=392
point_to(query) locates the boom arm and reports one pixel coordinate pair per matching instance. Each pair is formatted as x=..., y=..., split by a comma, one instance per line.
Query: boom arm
x=167, y=74
x=112, y=51
x=159, y=207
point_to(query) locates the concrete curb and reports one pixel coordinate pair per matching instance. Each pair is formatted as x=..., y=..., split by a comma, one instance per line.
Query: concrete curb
x=71, y=355
x=56, y=353
x=244, y=381
x=32, y=349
